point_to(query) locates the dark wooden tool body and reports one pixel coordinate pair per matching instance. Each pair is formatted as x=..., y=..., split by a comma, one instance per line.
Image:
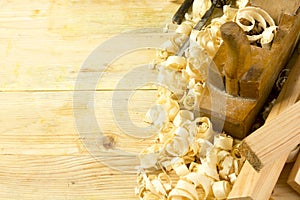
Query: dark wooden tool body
x=248, y=73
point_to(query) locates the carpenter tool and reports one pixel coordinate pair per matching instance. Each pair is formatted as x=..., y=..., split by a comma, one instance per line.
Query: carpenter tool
x=248, y=72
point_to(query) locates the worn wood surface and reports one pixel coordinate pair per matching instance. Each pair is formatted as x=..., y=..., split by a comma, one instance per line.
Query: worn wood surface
x=42, y=46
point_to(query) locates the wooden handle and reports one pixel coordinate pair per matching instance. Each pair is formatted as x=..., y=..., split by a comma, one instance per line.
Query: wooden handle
x=179, y=15
x=238, y=52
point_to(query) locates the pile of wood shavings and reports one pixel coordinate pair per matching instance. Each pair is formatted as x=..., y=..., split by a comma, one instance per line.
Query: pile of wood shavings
x=189, y=160
x=187, y=166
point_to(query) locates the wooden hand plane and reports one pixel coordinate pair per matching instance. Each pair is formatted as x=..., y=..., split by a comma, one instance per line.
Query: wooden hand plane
x=249, y=72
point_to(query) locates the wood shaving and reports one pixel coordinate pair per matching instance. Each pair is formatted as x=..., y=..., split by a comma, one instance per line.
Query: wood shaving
x=258, y=24
x=221, y=189
x=199, y=8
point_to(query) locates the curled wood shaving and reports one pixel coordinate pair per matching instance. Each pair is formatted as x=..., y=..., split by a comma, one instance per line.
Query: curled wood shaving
x=221, y=189
x=198, y=88
x=179, y=167
x=258, y=24
x=223, y=141
x=201, y=127
x=232, y=178
x=177, y=146
x=174, y=43
x=185, y=27
x=183, y=117
x=149, y=156
x=205, y=147
x=200, y=180
x=226, y=167
x=195, y=71
x=166, y=132
x=177, y=194
x=210, y=170
x=172, y=108
x=148, y=160
x=190, y=101
x=172, y=80
x=187, y=187
x=156, y=115
x=210, y=38
x=176, y=63
x=199, y=8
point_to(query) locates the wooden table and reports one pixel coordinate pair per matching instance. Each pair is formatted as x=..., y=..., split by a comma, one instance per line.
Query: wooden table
x=42, y=46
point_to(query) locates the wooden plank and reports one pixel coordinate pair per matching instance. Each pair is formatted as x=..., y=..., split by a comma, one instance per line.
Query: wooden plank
x=62, y=177
x=42, y=156
x=42, y=123
x=294, y=177
x=262, y=183
x=256, y=185
x=49, y=40
x=272, y=140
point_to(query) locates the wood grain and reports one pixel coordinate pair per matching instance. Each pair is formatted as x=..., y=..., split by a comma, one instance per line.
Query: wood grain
x=42, y=154
x=42, y=47
x=50, y=39
x=42, y=123
x=270, y=141
x=62, y=177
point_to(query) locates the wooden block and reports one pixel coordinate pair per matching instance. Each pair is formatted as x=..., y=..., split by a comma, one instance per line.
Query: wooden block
x=279, y=136
x=294, y=177
x=257, y=185
x=260, y=184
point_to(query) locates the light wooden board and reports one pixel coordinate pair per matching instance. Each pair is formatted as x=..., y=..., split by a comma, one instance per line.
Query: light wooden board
x=61, y=177
x=42, y=154
x=49, y=40
x=42, y=123
x=42, y=47
x=278, y=140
